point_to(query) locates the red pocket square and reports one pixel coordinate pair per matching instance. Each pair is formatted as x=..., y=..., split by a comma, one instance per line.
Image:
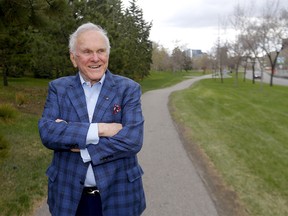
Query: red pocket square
x=116, y=109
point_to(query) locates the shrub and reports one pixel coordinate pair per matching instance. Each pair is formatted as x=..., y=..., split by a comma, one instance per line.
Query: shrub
x=20, y=99
x=7, y=111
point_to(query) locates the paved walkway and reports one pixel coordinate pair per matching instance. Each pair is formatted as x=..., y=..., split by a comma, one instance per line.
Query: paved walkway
x=171, y=182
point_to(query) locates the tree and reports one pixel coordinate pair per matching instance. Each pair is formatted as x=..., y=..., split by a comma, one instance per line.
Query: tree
x=18, y=19
x=177, y=59
x=160, y=58
x=264, y=34
x=49, y=46
x=272, y=32
x=222, y=59
x=34, y=36
x=187, y=61
x=237, y=53
x=137, y=42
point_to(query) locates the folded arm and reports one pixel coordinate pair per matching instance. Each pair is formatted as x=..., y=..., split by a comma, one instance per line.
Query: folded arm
x=60, y=128
x=129, y=140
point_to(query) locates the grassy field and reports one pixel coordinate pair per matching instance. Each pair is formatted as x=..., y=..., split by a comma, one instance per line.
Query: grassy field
x=22, y=167
x=243, y=130
x=23, y=159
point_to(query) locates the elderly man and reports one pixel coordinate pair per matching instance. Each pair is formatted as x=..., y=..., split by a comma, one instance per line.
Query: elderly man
x=93, y=122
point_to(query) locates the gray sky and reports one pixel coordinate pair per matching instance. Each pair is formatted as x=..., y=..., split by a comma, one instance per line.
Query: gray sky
x=190, y=23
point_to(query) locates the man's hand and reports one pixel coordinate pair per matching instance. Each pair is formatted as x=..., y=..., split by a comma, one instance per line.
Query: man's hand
x=60, y=120
x=74, y=149
x=108, y=129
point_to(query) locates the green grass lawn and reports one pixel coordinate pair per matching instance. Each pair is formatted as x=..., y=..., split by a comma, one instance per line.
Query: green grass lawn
x=22, y=172
x=243, y=130
x=23, y=166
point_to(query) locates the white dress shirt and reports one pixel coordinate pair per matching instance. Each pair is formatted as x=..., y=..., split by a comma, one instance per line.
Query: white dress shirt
x=91, y=95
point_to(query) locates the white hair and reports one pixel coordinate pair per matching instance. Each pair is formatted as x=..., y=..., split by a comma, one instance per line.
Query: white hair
x=83, y=28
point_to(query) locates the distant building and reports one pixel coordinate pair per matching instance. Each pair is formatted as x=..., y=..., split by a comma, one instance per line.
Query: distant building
x=193, y=53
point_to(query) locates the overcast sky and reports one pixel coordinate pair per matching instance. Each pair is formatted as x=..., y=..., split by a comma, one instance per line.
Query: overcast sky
x=193, y=24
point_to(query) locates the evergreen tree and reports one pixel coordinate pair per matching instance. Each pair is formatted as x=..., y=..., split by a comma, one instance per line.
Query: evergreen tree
x=137, y=43
x=34, y=36
x=18, y=19
x=50, y=53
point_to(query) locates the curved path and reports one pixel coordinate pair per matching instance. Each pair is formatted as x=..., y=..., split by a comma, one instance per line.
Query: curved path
x=171, y=182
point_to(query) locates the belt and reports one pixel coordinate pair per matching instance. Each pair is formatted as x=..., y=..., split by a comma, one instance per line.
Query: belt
x=91, y=191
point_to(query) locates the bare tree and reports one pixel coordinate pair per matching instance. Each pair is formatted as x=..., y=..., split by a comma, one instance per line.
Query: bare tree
x=272, y=32
x=160, y=58
x=204, y=62
x=237, y=52
x=264, y=33
x=177, y=59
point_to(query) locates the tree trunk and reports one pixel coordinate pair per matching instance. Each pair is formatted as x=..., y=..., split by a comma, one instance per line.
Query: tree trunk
x=5, y=78
x=272, y=74
x=253, y=72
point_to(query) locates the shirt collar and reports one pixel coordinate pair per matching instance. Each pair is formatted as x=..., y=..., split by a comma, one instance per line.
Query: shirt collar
x=83, y=82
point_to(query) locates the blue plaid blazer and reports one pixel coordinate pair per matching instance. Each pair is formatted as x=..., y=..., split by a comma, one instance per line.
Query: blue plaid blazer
x=114, y=159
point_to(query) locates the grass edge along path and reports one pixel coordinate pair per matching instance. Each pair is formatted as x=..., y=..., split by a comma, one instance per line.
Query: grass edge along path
x=243, y=131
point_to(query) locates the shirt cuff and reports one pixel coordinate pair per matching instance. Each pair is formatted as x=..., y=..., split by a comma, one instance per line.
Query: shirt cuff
x=85, y=155
x=92, y=138
x=92, y=135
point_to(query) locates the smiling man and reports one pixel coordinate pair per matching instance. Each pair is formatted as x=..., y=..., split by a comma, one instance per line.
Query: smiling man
x=90, y=54
x=93, y=123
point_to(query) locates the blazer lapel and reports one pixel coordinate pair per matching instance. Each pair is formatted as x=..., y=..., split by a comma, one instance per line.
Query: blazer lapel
x=105, y=99
x=77, y=97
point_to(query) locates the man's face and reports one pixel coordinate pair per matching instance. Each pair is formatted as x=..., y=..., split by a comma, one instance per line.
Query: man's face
x=91, y=56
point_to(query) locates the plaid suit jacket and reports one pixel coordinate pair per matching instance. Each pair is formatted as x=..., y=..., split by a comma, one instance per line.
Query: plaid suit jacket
x=114, y=159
